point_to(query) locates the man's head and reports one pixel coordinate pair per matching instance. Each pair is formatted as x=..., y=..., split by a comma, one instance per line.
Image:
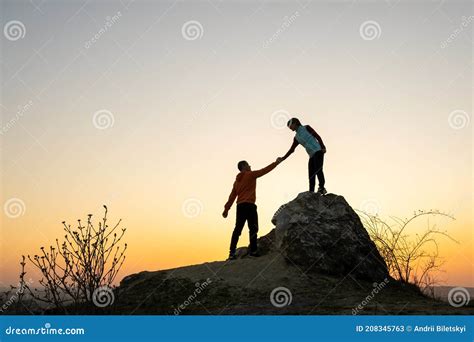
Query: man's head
x=243, y=166
x=293, y=124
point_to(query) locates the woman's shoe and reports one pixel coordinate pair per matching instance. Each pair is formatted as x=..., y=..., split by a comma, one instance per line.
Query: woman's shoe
x=322, y=191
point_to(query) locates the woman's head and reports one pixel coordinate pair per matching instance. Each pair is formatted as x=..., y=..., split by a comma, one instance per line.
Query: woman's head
x=293, y=124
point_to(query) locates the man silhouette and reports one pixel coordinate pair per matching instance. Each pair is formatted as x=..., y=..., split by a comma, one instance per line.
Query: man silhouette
x=244, y=190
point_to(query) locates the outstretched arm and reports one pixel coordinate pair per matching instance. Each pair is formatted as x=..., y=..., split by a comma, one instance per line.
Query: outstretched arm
x=292, y=149
x=265, y=170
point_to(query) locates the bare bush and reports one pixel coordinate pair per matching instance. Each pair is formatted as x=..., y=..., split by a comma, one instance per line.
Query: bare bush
x=87, y=259
x=409, y=258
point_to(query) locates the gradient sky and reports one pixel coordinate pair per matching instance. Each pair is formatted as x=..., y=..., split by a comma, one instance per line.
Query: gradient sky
x=394, y=112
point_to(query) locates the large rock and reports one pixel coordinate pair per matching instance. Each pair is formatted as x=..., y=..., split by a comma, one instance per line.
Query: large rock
x=323, y=234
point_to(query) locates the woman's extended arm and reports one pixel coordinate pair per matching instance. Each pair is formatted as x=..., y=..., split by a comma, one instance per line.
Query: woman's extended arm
x=292, y=149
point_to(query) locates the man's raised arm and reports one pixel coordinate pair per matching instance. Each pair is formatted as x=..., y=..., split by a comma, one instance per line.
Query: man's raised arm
x=265, y=170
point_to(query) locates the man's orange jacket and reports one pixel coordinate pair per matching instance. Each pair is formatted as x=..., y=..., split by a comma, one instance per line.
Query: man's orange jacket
x=245, y=186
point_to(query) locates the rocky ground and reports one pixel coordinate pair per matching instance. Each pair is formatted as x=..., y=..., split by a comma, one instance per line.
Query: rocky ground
x=319, y=260
x=244, y=287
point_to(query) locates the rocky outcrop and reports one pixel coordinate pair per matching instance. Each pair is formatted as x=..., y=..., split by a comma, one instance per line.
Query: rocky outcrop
x=323, y=234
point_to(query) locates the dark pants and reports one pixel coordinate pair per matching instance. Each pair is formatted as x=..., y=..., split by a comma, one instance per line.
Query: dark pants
x=245, y=212
x=315, y=168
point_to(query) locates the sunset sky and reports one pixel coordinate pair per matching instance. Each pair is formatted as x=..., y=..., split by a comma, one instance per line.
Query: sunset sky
x=147, y=106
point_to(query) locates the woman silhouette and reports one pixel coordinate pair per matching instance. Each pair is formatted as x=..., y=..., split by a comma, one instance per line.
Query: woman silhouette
x=312, y=142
